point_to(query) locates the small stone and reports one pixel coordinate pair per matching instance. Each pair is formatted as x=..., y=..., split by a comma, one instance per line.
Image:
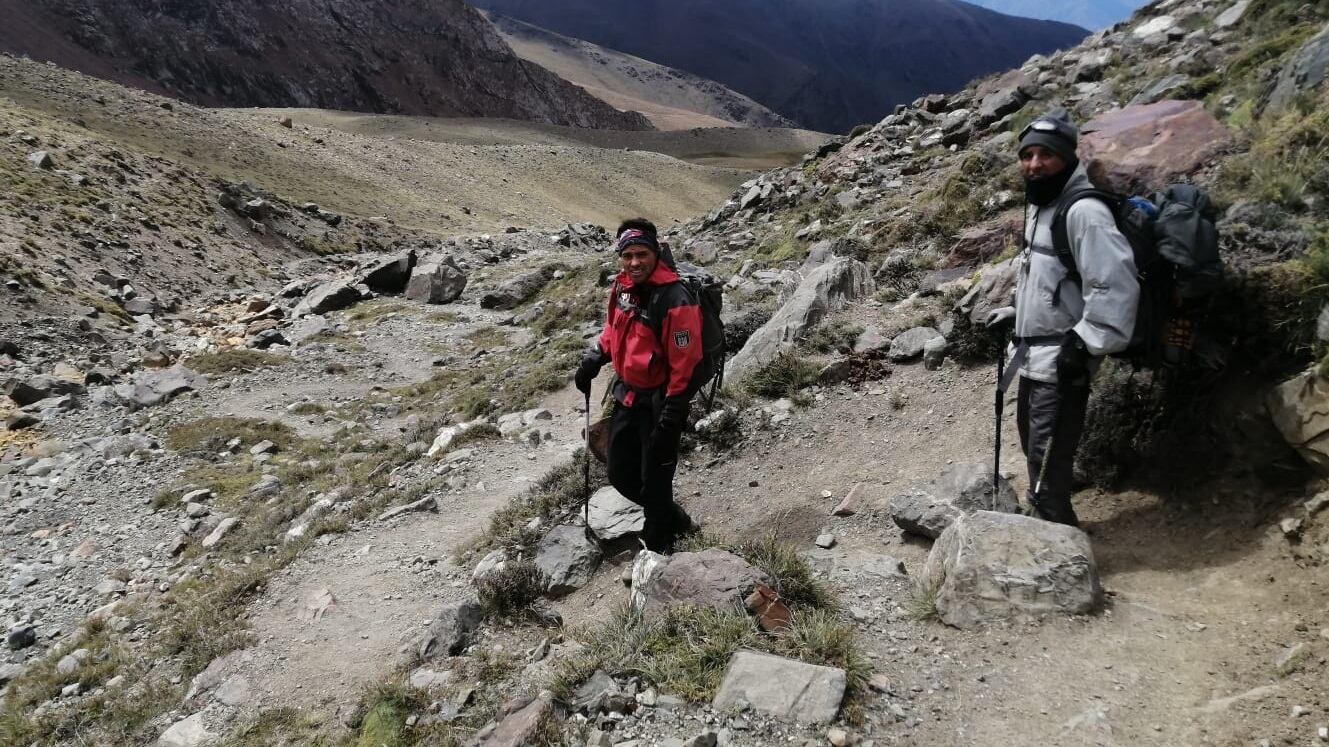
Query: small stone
x=852, y=502
x=263, y=447
x=1291, y=527
x=194, y=496
x=69, y=691
x=826, y=541
x=837, y=737
x=21, y=637
x=1299, y=711
x=220, y=532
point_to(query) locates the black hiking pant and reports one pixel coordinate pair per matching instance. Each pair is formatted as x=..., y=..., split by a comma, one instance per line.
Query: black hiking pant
x=1051, y=413
x=644, y=473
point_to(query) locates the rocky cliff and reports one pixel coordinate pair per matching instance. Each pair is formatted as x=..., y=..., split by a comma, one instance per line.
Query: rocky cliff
x=412, y=57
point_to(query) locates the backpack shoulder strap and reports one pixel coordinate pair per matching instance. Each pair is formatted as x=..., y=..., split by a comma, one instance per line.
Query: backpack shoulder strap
x=1061, y=240
x=660, y=302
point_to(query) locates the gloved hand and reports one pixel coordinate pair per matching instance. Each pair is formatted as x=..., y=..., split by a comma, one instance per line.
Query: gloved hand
x=588, y=370
x=998, y=320
x=663, y=446
x=1073, y=361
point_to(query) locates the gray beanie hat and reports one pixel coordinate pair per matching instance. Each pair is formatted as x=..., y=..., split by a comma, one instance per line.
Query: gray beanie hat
x=1053, y=131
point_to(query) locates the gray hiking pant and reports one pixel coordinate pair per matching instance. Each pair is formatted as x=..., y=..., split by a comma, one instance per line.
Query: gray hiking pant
x=1049, y=412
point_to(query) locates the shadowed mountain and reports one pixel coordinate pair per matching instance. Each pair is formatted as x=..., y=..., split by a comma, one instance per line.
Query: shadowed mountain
x=826, y=64
x=435, y=57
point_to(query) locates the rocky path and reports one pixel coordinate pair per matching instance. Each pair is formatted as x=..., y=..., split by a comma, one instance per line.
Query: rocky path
x=332, y=623
x=1202, y=604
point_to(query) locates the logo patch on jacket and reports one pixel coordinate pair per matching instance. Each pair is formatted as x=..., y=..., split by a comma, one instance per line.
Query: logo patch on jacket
x=682, y=339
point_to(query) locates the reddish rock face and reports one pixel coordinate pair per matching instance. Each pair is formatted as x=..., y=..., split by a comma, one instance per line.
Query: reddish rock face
x=1142, y=148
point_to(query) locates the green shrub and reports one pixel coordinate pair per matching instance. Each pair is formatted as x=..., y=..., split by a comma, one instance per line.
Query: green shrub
x=511, y=591
x=237, y=360
x=782, y=377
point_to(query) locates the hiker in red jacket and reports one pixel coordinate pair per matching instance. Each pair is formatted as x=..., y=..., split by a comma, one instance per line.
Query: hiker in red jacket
x=652, y=336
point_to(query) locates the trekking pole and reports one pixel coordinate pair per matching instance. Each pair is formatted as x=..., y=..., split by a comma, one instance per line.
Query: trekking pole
x=586, y=470
x=1000, y=406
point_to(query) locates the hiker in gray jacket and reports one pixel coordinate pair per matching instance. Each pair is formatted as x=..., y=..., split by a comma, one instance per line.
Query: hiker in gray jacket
x=1063, y=324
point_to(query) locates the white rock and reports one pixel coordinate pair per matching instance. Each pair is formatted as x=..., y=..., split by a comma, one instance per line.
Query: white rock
x=189, y=732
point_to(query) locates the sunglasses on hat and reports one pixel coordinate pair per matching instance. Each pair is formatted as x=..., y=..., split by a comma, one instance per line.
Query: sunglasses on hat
x=1038, y=125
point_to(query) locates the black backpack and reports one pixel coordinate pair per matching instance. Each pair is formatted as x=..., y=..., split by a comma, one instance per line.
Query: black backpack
x=708, y=292
x=1175, y=245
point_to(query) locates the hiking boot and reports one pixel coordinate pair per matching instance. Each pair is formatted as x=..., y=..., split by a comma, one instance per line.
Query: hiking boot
x=657, y=538
x=683, y=524
x=1057, y=512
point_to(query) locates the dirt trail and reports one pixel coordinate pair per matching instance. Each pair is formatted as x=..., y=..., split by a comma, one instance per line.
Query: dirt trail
x=387, y=579
x=1202, y=600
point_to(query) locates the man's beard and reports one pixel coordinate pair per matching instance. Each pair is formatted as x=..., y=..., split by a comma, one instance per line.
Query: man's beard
x=1044, y=191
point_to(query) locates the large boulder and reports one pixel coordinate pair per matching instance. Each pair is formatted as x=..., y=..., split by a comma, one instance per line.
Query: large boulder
x=1141, y=148
x=567, y=558
x=330, y=296
x=993, y=567
x=1300, y=410
x=612, y=516
x=515, y=291
x=387, y=274
x=436, y=280
x=960, y=489
x=784, y=688
x=825, y=289
x=149, y=388
x=710, y=578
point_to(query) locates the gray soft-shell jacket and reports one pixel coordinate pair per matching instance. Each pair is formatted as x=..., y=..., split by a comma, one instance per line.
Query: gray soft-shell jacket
x=1101, y=309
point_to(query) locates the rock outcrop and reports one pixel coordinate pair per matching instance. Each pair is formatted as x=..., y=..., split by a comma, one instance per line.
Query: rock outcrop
x=1145, y=147
x=824, y=290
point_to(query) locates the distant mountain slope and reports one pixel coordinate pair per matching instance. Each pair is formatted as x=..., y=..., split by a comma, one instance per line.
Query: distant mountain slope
x=826, y=64
x=670, y=98
x=1091, y=14
x=437, y=57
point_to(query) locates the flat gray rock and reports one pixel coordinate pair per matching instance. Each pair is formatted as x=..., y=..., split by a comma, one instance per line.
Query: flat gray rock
x=613, y=516
x=784, y=688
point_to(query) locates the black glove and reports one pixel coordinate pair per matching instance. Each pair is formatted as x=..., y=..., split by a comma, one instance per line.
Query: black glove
x=1073, y=361
x=663, y=446
x=588, y=370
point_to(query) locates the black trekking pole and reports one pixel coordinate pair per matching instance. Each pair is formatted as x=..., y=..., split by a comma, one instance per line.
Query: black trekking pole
x=586, y=471
x=1000, y=406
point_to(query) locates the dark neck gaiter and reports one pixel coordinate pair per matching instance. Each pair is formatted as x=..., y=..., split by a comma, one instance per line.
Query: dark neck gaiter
x=1043, y=192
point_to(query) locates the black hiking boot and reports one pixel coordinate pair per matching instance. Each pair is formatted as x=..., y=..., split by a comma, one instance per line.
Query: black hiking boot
x=1056, y=512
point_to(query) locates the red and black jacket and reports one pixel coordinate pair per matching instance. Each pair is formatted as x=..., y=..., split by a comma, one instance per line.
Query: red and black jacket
x=652, y=356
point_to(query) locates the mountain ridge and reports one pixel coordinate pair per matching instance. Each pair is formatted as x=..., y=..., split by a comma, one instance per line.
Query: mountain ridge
x=432, y=58
x=828, y=66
